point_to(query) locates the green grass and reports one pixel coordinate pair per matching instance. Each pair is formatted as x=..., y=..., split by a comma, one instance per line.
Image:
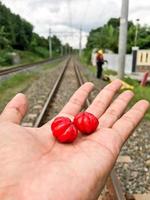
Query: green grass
x=50, y=65
x=15, y=84
x=89, y=66
x=29, y=57
x=25, y=56
x=110, y=72
x=140, y=93
x=19, y=83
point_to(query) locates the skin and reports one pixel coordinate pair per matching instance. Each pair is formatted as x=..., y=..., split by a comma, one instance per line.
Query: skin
x=34, y=166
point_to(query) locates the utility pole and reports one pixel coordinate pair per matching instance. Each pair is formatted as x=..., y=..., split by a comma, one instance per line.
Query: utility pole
x=62, y=50
x=69, y=50
x=136, y=32
x=50, y=44
x=123, y=38
x=80, y=43
x=66, y=49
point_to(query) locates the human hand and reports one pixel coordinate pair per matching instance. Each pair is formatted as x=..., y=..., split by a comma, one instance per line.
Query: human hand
x=33, y=166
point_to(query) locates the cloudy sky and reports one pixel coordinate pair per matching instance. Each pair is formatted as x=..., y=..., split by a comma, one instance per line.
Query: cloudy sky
x=65, y=17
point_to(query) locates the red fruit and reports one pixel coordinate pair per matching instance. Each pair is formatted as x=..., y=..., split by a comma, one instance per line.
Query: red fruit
x=86, y=122
x=64, y=130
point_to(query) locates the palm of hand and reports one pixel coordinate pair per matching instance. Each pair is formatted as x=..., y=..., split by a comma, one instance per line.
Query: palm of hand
x=39, y=163
x=34, y=166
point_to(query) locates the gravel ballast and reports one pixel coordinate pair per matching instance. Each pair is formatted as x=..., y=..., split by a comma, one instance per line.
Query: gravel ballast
x=134, y=175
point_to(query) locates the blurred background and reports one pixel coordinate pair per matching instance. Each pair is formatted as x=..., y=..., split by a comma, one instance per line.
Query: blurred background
x=26, y=26
x=38, y=38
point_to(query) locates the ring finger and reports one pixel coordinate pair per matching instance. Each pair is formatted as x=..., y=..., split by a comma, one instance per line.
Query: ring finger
x=116, y=109
x=104, y=98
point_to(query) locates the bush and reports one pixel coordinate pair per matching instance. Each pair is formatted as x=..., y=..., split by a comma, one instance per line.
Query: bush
x=131, y=81
x=5, y=59
x=28, y=57
x=43, y=52
x=87, y=56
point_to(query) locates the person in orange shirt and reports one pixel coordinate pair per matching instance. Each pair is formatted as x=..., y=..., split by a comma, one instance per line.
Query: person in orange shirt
x=99, y=62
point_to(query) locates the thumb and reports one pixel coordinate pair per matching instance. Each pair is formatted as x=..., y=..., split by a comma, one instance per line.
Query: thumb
x=16, y=109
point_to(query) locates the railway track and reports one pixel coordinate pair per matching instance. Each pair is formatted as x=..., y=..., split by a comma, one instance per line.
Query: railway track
x=113, y=189
x=41, y=119
x=113, y=185
x=26, y=66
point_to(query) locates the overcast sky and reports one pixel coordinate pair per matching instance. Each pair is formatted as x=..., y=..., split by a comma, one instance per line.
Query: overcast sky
x=69, y=15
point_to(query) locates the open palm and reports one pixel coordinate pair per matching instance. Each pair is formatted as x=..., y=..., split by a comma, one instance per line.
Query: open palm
x=34, y=166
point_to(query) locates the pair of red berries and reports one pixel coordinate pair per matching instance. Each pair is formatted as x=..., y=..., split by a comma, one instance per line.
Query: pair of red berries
x=66, y=131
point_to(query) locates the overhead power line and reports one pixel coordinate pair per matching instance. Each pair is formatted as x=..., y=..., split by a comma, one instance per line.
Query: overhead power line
x=69, y=13
x=85, y=14
x=70, y=16
x=83, y=24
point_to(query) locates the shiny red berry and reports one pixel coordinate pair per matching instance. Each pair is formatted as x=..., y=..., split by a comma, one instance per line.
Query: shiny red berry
x=64, y=130
x=86, y=122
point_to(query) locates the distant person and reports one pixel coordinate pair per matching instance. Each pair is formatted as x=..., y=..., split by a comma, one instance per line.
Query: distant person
x=99, y=62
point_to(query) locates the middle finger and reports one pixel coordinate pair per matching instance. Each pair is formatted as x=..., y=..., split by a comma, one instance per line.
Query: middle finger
x=104, y=98
x=116, y=109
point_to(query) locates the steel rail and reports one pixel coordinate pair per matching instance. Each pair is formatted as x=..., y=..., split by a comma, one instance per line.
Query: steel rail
x=81, y=81
x=51, y=95
x=26, y=66
x=114, y=187
x=113, y=184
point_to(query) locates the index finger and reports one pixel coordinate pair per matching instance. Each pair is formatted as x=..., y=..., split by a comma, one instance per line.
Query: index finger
x=78, y=99
x=104, y=98
x=73, y=106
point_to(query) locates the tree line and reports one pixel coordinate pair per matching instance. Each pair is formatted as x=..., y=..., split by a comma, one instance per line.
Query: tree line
x=106, y=37
x=17, y=34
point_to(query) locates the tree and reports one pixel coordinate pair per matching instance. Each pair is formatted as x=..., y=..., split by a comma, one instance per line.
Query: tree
x=106, y=37
x=56, y=44
x=19, y=31
x=4, y=42
x=18, y=34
